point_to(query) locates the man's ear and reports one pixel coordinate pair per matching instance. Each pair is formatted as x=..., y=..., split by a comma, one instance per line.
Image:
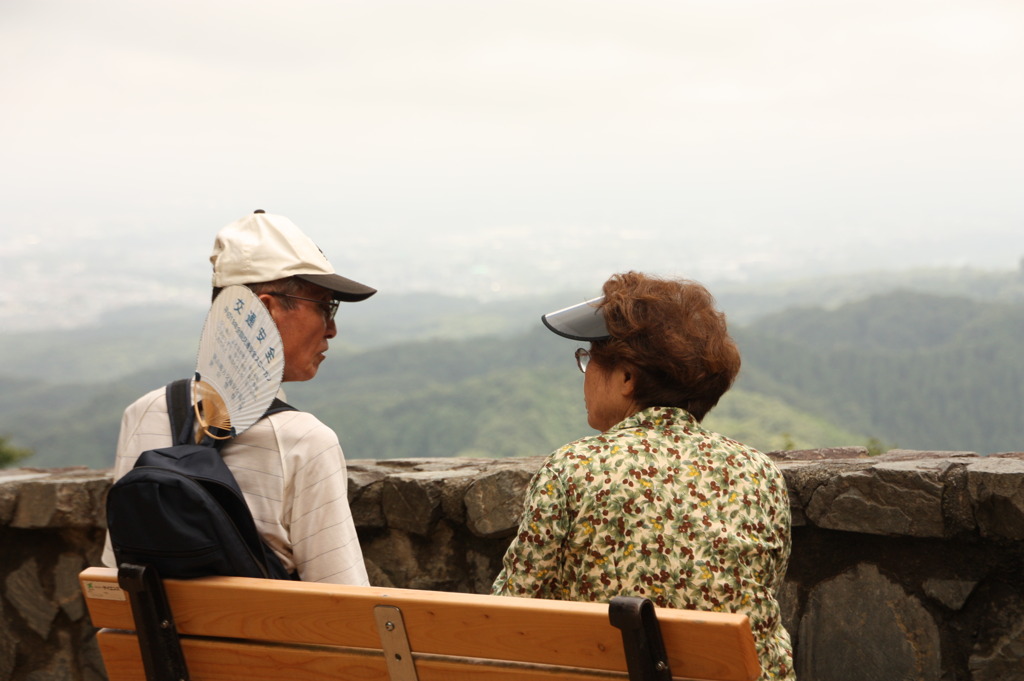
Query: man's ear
x=272, y=304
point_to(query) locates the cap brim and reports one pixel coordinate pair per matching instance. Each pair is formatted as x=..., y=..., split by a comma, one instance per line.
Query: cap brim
x=344, y=289
x=584, y=322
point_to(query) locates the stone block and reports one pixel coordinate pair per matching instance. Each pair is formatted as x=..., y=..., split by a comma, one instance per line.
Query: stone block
x=97, y=502
x=924, y=455
x=439, y=562
x=803, y=478
x=879, y=631
x=25, y=592
x=66, y=591
x=394, y=554
x=68, y=498
x=798, y=518
x=821, y=454
x=957, y=509
x=453, y=494
x=376, y=575
x=494, y=502
x=788, y=598
x=8, y=644
x=892, y=497
x=8, y=502
x=952, y=593
x=482, y=570
x=1004, y=660
x=37, y=504
x=365, y=492
x=415, y=562
x=412, y=501
x=996, y=487
x=61, y=666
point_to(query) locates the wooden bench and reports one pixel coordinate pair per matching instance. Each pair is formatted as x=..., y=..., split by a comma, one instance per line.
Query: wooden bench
x=233, y=628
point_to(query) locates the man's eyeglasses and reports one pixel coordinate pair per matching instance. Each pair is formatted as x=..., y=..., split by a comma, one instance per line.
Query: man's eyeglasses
x=582, y=359
x=328, y=307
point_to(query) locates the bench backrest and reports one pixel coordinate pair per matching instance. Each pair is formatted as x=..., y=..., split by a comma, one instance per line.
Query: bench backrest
x=236, y=628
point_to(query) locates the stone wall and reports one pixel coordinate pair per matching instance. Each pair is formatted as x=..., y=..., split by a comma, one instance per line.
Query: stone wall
x=51, y=527
x=905, y=566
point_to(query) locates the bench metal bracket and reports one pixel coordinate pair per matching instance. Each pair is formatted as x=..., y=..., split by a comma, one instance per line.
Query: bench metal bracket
x=395, y=643
x=646, y=658
x=155, y=631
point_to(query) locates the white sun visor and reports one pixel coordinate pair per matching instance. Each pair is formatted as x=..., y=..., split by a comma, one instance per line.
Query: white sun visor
x=583, y=322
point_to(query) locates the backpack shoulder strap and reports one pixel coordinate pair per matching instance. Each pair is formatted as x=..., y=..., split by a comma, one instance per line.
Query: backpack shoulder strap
x=179, y=410
x=277, y=406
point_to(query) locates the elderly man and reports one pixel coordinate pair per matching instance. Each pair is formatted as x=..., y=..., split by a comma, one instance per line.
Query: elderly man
x=288, y=465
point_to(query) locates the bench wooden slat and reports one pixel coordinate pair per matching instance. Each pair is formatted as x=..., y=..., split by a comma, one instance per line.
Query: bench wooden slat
x=220, y=660
x=701, y=645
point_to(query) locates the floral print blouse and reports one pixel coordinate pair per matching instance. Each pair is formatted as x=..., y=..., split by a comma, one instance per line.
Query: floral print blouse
x=659, y=507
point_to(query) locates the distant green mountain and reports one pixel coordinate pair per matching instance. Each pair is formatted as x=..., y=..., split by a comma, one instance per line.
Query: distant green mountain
x=412, y=379
x=488, y=397
x=73, y=424
x=915, y=370
x=769, y=424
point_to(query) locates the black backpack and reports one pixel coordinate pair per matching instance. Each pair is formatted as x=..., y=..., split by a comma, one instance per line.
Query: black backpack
x=181, y=511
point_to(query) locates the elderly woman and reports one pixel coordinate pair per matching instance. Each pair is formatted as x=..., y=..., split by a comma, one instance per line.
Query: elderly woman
x=656, y=505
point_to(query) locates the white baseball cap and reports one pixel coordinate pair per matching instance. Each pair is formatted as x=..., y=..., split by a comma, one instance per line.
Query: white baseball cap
x=262, y=247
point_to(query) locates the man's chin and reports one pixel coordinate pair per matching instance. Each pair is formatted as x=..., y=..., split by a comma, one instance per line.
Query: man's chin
x=307, y=376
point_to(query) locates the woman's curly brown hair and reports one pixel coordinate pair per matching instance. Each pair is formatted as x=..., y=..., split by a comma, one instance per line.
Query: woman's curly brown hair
x=670, y=332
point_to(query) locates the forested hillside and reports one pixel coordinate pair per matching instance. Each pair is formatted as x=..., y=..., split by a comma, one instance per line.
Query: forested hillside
x=916, y=370
x=488, y=396
x=907, y=369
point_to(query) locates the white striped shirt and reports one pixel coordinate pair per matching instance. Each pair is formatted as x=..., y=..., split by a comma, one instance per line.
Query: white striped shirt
x=292, y=473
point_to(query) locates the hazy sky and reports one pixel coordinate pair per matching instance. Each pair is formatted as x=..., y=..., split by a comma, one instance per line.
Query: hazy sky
x=506, y=146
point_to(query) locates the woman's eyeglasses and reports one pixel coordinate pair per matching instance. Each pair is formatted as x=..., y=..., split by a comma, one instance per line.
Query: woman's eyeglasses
x=328, y=307
x=582, y=359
